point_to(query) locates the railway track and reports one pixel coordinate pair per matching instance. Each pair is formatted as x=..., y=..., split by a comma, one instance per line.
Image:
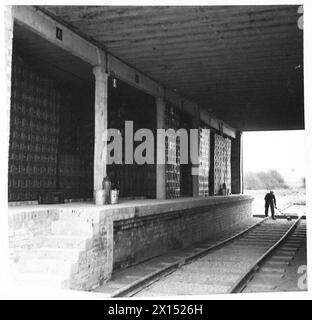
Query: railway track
x=276, y=271
x=275, y=257
x=233, y=265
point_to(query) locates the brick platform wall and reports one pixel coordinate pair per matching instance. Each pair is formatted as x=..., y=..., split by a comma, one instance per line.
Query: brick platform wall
x=112, y=237
x=141, y=238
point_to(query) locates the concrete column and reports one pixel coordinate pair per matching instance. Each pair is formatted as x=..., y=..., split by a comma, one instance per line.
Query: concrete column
x=195, y=167
x=8, y=45
x=4, y=137
x=237, y=164
x=101, y=88
x=161, y=168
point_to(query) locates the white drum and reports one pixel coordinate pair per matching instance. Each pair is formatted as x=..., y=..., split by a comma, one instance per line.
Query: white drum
x=114, y=196
x=100, y=197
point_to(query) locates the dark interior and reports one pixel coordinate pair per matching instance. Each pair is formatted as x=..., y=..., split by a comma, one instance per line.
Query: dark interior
x=126, y=103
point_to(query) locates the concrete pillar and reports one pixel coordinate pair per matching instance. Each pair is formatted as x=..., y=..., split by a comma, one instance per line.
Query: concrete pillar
x=4, y=138
x=161, y=168
x=195, y=167
x=101, y=89
x=237, y=164
x=8, y=45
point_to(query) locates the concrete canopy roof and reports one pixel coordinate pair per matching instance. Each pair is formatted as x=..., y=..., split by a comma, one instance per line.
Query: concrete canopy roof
x=242, y=63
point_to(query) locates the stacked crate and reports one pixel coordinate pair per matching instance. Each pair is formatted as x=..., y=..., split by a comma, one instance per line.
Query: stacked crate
x=85, y=138
x=134, y=180
x=75, y=156
x=34, y=130
x=126, y=103
x=69, y=175
x=51, y=136
x=150, y=178
x=222, y=163
x=227, y=164
x=172, y=159
x=186, y=179
x=204, y=161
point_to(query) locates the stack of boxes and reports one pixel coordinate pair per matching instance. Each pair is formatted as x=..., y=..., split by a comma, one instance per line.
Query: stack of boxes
x=69, y=175
x=34, y=133
x=204, y=161
x=172, y=158
x=129, y=104
x=222, y=164
x=75, y=156
x=51, y=137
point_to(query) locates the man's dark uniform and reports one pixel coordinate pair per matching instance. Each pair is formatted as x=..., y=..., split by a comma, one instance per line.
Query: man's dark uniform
x=270, y=201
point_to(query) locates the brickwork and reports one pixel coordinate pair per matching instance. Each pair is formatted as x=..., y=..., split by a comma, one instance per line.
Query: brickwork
x=25, y=229
x=81, y=245
x=33, y=223
x=74, y=244
x=138, y=239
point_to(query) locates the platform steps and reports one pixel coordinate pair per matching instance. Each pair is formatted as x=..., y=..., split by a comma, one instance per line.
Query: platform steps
x=54, y=257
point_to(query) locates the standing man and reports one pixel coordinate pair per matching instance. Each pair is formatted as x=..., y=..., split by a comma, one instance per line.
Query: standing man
x=270, y=201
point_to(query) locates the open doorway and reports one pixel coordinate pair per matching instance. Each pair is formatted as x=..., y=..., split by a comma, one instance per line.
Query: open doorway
x=274, y=160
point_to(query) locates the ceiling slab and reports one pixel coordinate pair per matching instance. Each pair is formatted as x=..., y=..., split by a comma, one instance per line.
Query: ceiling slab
x=244, y=64
x=57, y=62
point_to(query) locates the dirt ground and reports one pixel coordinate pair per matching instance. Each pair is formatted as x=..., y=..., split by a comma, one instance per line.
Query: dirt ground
x=283, y=198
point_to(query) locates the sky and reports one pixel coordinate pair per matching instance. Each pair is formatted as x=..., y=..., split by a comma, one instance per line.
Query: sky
x=280, y=150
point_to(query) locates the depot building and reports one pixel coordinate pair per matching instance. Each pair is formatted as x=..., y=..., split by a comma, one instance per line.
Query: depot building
x=75, y=71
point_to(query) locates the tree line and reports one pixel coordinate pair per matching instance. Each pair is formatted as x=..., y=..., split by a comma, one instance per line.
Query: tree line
x=271, y=179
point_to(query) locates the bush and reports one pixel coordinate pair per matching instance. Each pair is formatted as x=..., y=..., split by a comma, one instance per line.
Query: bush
x=271, y=179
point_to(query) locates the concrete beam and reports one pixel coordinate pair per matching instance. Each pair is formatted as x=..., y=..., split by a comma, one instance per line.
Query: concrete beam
x=215, y=124
x=133, y=77
x=45, y=26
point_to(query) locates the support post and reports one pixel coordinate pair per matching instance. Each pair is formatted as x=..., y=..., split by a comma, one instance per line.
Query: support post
x=100, y=125
x=237, y=164
x=195, y=167
x=7, y=41
x=160, y=168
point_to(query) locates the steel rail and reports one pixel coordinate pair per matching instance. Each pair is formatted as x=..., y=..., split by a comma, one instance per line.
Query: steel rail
x=241, y=283
x=147, y=281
